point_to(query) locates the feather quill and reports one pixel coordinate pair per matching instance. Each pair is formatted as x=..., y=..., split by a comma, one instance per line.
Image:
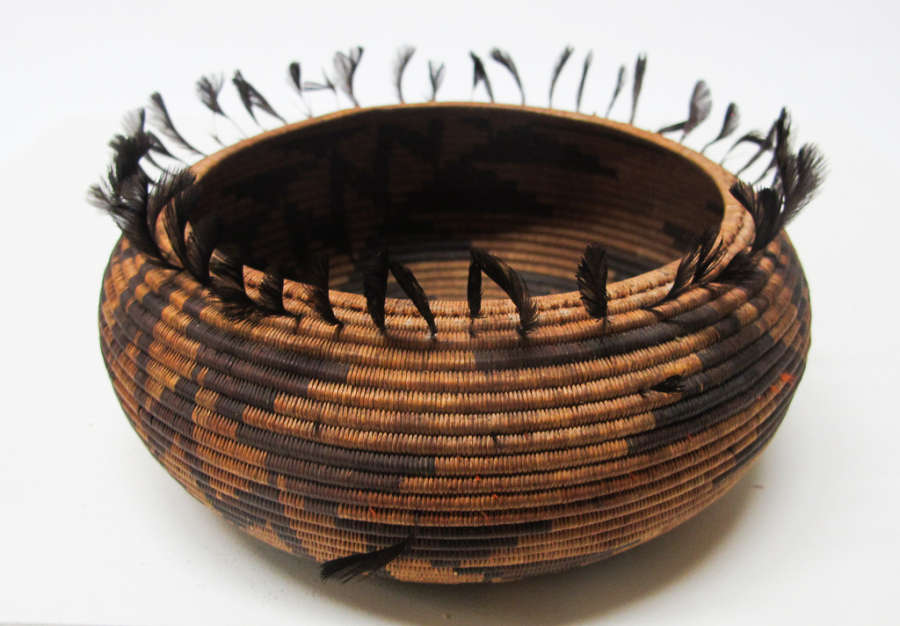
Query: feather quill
x=557, y=70
x=345, y=66
x=201, y=242
x=698, y=110
x=227, y=285
x=473, y=288
x=295, y=77
x=349, y=567
x=164, y=123
x=620, y=82
x=436, y=77
x=271, y=292
x=593, y=272
x=177, y=212
x=510, y=282
x=252, y=99
x=479, y=75
x=640, y=67
x=504, y=59
x=318, y=281
x=729, y=125
x=413, y=290
x=403, y=57
x=585, y=68
x=375, y=286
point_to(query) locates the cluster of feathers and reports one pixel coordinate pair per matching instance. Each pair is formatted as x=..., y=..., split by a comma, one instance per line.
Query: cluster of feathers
x=196, y=243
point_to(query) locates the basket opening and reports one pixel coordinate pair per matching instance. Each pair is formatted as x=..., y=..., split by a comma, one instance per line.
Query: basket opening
x=429, y=181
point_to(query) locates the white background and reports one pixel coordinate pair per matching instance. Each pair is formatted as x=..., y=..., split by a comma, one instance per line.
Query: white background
x=93, y=530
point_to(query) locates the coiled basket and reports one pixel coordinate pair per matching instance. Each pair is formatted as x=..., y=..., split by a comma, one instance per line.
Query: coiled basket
x=480, y=452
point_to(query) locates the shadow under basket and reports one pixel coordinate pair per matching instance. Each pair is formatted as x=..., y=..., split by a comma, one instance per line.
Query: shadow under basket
x=479, y=452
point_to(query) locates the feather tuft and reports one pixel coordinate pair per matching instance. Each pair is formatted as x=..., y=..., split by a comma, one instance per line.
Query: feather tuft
x=349, y=567
x=729, y=125
x=435, y=77
x=403, y=57
x=640, y=68
x=479, y=75
x=503, y=58
x=620, y=82
x=345, y=66
x=271, y=292
x=510, y=282
x=164, y=122
x=375, y=286
x=319, y=271
x=585, y=68
x=252, y=99
x=413, y=290
x=557, y=70
x=593, y=272
x=227, y=285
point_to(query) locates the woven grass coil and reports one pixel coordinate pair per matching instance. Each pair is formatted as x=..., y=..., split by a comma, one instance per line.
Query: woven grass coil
x=453, y=342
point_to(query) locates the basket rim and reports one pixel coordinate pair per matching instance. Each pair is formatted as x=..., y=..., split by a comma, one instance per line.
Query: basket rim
x=735, y=228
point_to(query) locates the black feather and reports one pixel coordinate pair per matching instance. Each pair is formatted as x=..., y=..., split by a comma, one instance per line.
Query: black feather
x=729, y=125
x=810, y=174
x=640, y=67
x=326, y=85
x=510, y=282
x=170, y=185
x=673, y=384
x=698, y=110
x=741, y=271
x=413, y=290
x=252, y=99
x=375, y=277
x=177, y=212
x=479, y=75
x=201, y=241
x=686, y=271
x=557, y=70
x=126, y=203
x=164, y=123
x=436, y=77
x=271, y=291
x=764, y=144
x=345, y=66
x=588, y=59
x=318, y=272
x=128, y=150
x=208, y=89
x=620, y=82
x=764, y=207
x=134, y=124
x=227, y=285
x=504, y=59
x=473, y=288
x=363, y=563
x=593, y=272
x=294, y=74
x=672, y=128
x=709, y=254
x=403, y=57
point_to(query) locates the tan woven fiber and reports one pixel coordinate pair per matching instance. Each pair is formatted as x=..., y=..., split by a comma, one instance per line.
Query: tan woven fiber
x=494, y=453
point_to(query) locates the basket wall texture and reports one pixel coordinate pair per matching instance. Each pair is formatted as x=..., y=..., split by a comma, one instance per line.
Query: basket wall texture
x=613, y=376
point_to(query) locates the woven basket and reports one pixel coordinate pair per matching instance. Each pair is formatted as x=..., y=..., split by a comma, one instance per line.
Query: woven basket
x=480, y=452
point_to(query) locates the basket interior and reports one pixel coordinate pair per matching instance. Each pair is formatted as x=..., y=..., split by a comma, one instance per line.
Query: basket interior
x=530, y=186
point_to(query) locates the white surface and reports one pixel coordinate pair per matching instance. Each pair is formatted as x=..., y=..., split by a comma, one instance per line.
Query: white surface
x=94, y=531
